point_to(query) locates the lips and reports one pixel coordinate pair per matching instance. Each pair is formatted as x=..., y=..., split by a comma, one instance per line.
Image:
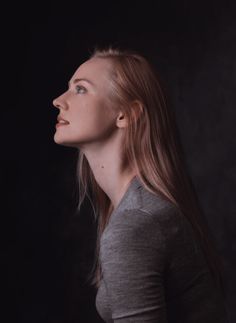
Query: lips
x=61, y=120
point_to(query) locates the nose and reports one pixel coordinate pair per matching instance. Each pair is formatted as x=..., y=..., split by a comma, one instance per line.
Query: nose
x=58, y=102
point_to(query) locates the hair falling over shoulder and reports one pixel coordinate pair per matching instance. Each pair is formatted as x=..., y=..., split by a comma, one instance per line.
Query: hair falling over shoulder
x=152, y=146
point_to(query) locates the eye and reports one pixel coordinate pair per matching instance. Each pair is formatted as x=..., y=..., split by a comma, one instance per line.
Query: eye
x=80, y=89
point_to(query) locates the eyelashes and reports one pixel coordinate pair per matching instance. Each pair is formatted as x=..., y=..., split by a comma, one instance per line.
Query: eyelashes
x=80, y=89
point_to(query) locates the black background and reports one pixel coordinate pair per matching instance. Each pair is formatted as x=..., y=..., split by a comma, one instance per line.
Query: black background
x=47, y=249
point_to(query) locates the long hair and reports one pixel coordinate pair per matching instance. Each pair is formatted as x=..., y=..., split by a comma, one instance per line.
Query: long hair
x=151, y=146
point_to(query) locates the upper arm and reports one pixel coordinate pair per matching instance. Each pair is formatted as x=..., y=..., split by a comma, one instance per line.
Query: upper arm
x=133, y=257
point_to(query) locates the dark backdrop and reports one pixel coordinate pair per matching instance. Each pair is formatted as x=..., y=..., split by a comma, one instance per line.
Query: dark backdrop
x=47, y=249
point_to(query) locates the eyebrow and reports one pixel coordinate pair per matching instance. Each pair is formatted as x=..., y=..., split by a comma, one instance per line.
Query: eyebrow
x=80, y=79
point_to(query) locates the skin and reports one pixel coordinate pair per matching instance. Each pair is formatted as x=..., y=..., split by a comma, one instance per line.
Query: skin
x=96, y=126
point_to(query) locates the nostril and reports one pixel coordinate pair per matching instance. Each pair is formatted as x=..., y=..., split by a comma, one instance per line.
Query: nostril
x=59, y=102
x=55, y=103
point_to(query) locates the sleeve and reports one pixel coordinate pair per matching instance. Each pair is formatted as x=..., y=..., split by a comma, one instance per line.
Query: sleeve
x=133, y=253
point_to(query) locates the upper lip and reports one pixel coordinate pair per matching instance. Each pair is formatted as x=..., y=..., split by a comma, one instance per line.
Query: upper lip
x=60, y=118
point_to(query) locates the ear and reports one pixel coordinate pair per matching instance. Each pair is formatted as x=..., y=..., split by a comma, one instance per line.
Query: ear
x=136, y=111
x=121, y=120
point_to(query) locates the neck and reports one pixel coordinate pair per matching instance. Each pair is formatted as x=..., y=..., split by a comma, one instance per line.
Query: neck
x=110, y=173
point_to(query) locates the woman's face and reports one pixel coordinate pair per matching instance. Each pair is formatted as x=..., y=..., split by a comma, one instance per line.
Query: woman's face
x=86, y=106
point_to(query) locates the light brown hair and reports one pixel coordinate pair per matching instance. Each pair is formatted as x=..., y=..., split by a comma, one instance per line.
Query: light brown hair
x=151, y=145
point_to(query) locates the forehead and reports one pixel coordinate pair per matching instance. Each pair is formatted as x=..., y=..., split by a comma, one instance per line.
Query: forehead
x=94, y=69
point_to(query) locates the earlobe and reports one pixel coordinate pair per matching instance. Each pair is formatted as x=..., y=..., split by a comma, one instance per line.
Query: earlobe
x=136, y=109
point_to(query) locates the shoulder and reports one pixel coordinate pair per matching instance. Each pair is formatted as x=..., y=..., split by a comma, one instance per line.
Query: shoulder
x=156, y=228
x=162, y=231
x=143, y=216
x=143, y=209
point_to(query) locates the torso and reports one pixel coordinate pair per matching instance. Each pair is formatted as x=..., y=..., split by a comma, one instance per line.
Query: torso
x=154, y=270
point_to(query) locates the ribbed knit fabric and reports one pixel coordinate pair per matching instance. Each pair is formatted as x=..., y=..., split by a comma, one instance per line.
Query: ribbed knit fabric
x=152, y=267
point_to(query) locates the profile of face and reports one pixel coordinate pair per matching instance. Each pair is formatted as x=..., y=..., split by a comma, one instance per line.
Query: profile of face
x=86, y=106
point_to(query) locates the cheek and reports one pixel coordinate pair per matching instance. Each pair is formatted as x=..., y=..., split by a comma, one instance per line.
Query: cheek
x=93, y=119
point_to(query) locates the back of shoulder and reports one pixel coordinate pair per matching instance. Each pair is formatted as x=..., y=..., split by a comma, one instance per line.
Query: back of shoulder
x=160, y=225
x=154, y=219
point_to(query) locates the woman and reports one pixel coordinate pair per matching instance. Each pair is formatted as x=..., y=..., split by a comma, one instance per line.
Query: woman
x=154, y=261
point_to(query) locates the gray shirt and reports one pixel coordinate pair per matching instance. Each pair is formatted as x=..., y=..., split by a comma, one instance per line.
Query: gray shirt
x=152, y=267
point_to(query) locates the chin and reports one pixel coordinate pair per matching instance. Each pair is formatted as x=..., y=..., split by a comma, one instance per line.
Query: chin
x=63, y=142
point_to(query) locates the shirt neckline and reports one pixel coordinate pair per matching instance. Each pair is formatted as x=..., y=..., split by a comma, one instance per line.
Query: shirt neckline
x=134, y=183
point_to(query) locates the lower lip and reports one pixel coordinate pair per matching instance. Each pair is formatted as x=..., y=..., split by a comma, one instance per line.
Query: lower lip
x=61, y=124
